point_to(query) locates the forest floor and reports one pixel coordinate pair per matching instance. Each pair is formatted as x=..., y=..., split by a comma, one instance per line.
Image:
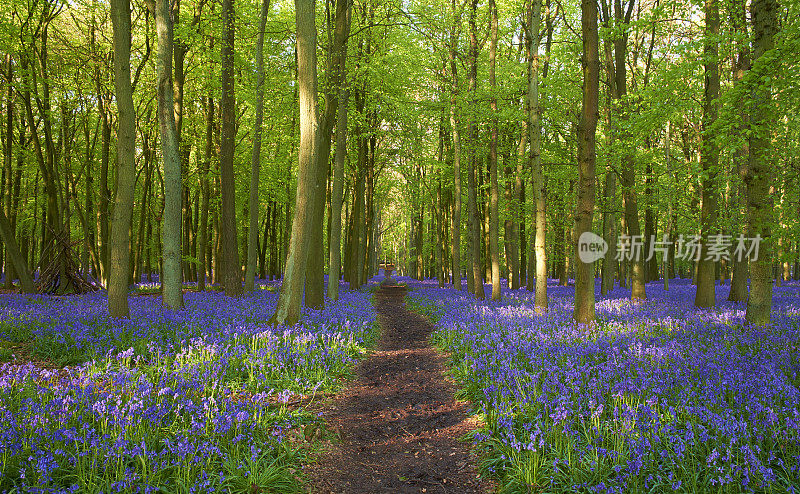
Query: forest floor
x=398, y=426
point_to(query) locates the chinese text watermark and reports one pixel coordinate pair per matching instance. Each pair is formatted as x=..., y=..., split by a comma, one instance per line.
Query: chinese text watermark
x=592, y=247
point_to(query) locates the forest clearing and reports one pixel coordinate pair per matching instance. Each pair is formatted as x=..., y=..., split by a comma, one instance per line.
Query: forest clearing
x=357, y=246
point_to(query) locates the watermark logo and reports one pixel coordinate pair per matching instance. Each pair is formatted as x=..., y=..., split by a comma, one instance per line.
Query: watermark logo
x=591, y=247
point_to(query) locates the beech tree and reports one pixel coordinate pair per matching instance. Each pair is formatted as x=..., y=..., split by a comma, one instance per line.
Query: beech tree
x=759, y=174
x=288, y=309
x=539, y=223
x=255, y=174
x=587, y=156
x=126, y=168
x=231, y=269
x=173, y=279
x=709, y=157
x=460, y=148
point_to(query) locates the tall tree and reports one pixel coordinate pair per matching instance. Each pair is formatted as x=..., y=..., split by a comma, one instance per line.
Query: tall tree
x=315, y=271
x=456, y=133
x=741, y=63
x=494, y=209
x=171, y=231
x=610, y=183
x=231, y=269
x=760, y=175
x=539, y=223
x=472, y=186
x=205, y=192
x=288, y=310
x=587, y=156
x=709, y=157
x=622, y=12
x=342, y=31
x=335, y=262
x=255, y=168
x=6, y=188
x=119, y=271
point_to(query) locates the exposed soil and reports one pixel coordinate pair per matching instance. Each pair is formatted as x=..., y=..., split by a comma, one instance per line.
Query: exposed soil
x=399, y=425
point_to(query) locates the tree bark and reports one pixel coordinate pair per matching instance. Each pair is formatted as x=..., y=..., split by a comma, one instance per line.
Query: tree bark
x=355, y=222
x=608, y=272
x=472, y=202
x=494, y=210
x=741, y=64
x=628, y=178
x=706, y=284
x=231, y=269
x=315, y=271
x=539, y=220
x=650, y=226
x=172, y=280
x=517, y=203
x=205, y=193
x=456, y=132
x=760, y=173
x=291, y=296
x=255, y=170
x=105, y=193
x=15, y=258
x=6, y=185
x=587, y=155
x=335, y=261
x=668, y=259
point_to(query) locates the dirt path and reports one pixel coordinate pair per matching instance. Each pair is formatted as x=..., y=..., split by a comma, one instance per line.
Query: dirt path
x=398, y=422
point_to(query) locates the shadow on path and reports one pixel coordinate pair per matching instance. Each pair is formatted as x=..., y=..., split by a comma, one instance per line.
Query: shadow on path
x=398, y=422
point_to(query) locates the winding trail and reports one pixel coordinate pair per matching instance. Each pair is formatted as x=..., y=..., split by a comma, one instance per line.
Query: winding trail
x=398, y=422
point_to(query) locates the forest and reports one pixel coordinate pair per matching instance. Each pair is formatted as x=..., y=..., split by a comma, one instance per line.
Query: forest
x=591, y=209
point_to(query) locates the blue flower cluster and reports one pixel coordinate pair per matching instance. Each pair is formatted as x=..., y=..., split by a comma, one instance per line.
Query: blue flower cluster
x=196, y=400
x=657, y=397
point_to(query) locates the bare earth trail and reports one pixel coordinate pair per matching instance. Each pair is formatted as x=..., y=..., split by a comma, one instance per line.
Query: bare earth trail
x=398, y=421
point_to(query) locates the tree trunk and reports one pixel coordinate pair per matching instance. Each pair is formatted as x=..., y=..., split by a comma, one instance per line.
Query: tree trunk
x=608, y=272
x=650, y=268
x=172, y=280
x=273, y=253
x=706, y=284
x=517, y=202
x=456, y=130
x=335, y=262
x=291, y=296
x=103, y=203
x=205, y=192
x=741, y=64
x=7, y=153
x=609, y=232
x=759, y=176
x=584, y=212
x=539, y=223
x=255, y=172
x=494, y=210
x=418, y=242
x=16, y=259
x=472, y=193
x=315, y=271
x=668, y=259
x=231, y=269
x=628, y=178
x=205, y=169
x=361, y=228
x=263, y=272
x=105, y=193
